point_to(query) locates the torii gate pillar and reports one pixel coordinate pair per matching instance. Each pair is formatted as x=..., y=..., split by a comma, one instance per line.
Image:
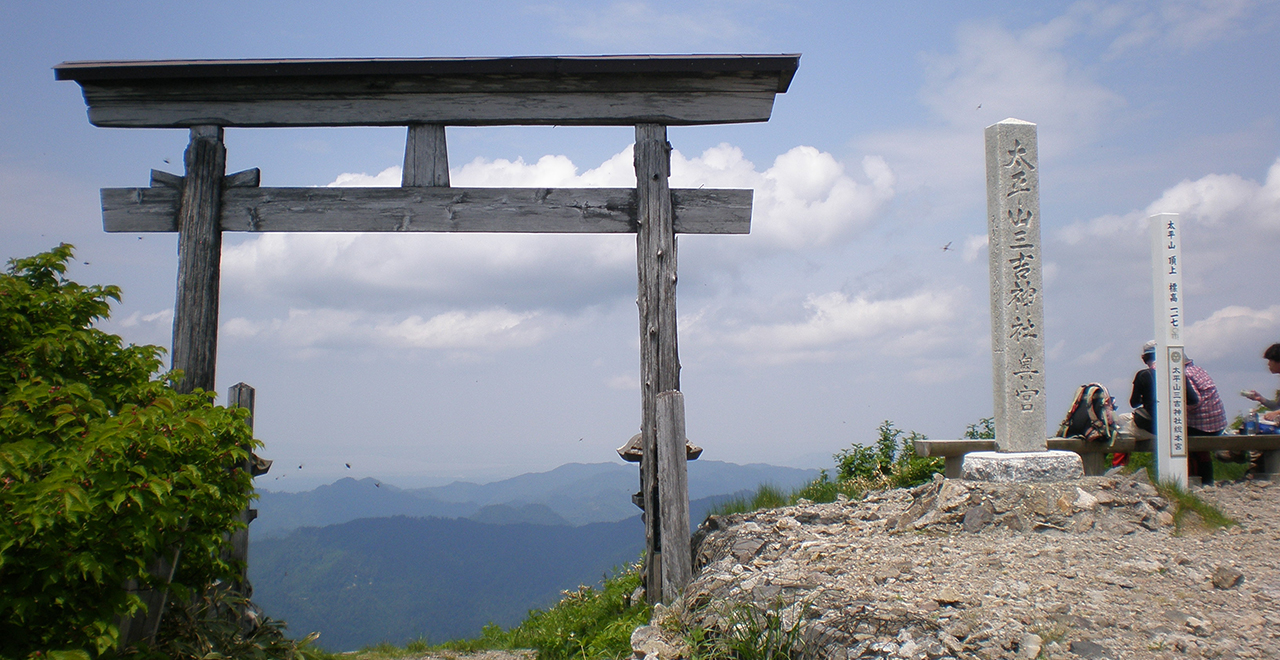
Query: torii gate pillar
x=663, y=481
x=195, y=311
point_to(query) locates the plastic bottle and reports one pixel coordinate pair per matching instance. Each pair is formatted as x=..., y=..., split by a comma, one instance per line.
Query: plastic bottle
x=1251, y=423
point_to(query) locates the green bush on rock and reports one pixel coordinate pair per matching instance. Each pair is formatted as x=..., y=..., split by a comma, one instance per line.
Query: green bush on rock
x=102, y=468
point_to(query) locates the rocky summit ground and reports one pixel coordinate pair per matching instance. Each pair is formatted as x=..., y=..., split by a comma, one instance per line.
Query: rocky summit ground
x=955, y=569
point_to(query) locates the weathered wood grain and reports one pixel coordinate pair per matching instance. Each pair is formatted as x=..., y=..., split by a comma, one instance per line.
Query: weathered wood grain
x=195, y=318
x=426, y=157
x=534, y=210
x=673, y=494
x=583, y=109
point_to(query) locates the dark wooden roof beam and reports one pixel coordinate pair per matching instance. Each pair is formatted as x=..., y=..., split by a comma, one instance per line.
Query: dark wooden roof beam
x=586, y=91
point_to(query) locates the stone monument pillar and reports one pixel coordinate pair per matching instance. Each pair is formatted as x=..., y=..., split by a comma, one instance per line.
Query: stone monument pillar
x=1017, y=318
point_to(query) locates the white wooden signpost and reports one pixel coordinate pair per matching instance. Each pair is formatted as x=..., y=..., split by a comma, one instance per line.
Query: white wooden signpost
x=427, y=95
x=1169, y=308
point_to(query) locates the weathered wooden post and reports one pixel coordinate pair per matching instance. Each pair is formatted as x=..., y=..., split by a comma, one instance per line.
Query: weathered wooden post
x=241, y=395
x=195, y=312
x=144, y=625
x=659, y=358
x=676, y=563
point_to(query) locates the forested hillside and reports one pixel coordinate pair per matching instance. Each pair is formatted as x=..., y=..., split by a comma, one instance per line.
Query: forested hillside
x=394, y=579
x=397, y=579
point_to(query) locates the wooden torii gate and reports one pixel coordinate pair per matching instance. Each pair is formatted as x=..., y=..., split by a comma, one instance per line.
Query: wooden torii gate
x=649, y=92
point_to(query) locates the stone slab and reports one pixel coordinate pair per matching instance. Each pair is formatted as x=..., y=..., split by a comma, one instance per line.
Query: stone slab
x=1022, y=467
x=1017, y=311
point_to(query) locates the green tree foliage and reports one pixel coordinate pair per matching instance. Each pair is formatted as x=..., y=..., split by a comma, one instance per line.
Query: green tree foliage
x=103, y=468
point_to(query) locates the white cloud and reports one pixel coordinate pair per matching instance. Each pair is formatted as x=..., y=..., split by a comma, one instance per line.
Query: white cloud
x=624, y=382
x=388, y=178
x=1176, y=24
x=439, y=291
x=1229, y=330
x=162, y=317
x=994, y=73
x=1212, y=200
x=836, y=323
x=491, y=329
x=804, y=200
x=549, y=172
x=974, y=246
x=1022, y=75
x=1094, y=356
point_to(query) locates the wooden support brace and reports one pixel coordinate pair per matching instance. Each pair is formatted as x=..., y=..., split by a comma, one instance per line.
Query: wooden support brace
x=162, y=179
x=673, y=495
x=143, y=626
x=241, y=395
x=1271, y=465
x=1094, y=463
x=954, y=467
x=249, y=178
x=426, y=157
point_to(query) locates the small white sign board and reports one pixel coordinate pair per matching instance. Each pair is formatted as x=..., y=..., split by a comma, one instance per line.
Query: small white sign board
x=1171, y=418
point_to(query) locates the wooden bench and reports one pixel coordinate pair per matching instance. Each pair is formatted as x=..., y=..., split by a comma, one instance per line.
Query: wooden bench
x=1094, y=454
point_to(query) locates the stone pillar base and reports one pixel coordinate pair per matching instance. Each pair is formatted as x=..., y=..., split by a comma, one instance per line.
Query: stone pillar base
x=1022, y=467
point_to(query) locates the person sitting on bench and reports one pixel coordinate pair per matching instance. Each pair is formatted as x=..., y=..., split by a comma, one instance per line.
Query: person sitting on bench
x=1272, y=356
x=1205, y=417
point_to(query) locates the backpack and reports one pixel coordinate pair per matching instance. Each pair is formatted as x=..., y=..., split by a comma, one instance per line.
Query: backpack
x=1091, y=416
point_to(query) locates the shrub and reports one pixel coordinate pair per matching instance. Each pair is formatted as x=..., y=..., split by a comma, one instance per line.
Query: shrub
x=891, y=463
x=103, y=468
x=984, y=429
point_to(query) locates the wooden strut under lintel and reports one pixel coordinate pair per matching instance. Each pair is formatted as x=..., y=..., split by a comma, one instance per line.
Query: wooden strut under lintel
x=426, y=157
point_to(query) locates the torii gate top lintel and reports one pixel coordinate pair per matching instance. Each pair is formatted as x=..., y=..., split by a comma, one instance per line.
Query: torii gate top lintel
x=614, y=90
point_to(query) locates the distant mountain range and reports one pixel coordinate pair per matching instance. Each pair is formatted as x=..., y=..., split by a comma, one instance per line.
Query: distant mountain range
x=399, y=579
x=576, y=493
x=364, y=562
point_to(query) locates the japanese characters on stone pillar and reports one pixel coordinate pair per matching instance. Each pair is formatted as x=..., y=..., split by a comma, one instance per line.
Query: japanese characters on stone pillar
x=1166, y=274
x=1017, y=337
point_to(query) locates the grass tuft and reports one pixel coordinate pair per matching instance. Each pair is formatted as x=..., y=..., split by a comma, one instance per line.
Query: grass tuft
x=775, y=632
x=1185, y=503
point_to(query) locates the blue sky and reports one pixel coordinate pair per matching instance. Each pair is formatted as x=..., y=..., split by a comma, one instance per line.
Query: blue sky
x=425, y=358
